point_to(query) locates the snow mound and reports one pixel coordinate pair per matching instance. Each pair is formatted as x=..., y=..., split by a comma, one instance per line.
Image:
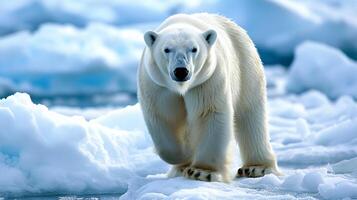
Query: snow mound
x=42, y=151
x=345, y=166
x=30, y=14
x=64, y=60
x=340, y=190
x=309, y=130
x=278, y=26
x=332, y=22
x=324, y=68
x=291, y=186
x=45, y=152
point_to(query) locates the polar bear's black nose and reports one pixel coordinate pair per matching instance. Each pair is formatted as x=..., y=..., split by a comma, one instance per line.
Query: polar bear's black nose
x=181, y=74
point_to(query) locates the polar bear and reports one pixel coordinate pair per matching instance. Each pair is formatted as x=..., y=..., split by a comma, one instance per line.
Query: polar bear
x=201, y=81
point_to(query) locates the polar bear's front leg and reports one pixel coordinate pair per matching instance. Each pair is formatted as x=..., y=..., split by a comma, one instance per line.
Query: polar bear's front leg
x=212, y=134
x=168, y=140
x=253, y=139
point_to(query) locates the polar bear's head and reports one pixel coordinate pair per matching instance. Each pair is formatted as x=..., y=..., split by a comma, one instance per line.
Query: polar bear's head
x=180, y=56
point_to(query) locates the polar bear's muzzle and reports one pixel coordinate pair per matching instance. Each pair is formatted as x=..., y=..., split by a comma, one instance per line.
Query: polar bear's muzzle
x=180, y=74
x=180, y=71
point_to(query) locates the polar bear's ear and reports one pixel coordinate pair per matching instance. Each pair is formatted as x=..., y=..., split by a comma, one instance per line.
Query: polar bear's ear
x=210, y=36
x=150, y=37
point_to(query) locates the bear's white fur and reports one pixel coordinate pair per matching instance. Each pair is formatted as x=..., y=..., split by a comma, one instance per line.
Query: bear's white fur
x=192, y=122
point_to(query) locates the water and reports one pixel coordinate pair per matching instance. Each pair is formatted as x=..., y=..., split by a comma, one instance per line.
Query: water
x=119, y=99
x=66, y=197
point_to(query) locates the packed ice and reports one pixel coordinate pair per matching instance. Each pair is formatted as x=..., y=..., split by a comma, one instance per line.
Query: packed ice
x=43, y=151
x=48, y=43
x=58, y=54
x=65, y=60
x=324, y=68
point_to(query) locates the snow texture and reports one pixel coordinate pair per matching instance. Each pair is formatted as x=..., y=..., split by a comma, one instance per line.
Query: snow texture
x=50, y=152
x=65, y=60
x=45, y=152
x=332, y=22
x=64, y=48
x=321, y=67
x=278, y=26
x=70, y=52
x=31, y=14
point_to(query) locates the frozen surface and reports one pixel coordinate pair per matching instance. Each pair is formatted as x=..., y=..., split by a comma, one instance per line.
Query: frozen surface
x=45, y=152
x=55, y=50
x=324, y=68
x=278, y=26
x=30, y=14
x=65, y=60
x=72, y=52
x=42, y=151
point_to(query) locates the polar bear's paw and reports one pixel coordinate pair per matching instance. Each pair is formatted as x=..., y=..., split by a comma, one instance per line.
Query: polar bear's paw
x=253, y=171
x=202, y=175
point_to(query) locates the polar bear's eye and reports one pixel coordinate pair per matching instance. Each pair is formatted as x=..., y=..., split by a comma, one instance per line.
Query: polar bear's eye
x=194, y=50
x=166, y=50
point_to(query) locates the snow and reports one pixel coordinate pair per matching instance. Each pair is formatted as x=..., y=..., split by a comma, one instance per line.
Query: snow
x=345, y=166
x=98, y=44
x=49, y=152
x=338, y=191
x=65, y=60
x=73, y=55
x=30, y=14
x=321, y=67
x=278, y=26
x=331, y=22
x=113, y=153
